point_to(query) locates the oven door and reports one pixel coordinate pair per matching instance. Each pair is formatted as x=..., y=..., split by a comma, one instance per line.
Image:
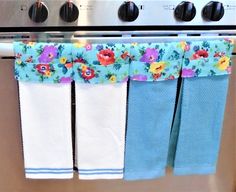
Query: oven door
x=11, y=161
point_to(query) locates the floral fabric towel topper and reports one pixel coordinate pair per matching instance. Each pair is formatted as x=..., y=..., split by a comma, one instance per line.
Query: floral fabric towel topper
x=207, y=58
x=156, y=61
x=43, y=62
x=101, y=63
x=116, y=63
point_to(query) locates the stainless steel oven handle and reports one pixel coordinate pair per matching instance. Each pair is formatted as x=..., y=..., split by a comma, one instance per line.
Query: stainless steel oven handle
x=120, y=39
x=148, y=39
x=138, y=32
x=77, y=34
x=6, y=50
x=6, y=45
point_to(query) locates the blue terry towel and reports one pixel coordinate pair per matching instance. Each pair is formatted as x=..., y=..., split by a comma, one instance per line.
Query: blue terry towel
x=154, y=70
x=175, y=128
x=196, y=132
x=202, y=113
x=150, y=113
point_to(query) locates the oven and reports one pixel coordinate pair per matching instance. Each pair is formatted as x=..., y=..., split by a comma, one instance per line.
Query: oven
x=109, y=21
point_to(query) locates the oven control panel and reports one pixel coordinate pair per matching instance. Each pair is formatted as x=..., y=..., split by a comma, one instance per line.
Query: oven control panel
x=30, y=13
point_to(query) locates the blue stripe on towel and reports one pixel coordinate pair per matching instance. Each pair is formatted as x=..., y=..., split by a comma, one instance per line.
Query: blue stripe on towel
x=102, y=173
x=89, y=170
x=49, y=172
x=53, y=169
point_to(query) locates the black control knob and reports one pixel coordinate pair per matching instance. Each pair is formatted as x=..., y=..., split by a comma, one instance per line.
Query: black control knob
x=128, y=11
x=185, y=11
x=38, y=12
x=69, y=12
x=213, y=11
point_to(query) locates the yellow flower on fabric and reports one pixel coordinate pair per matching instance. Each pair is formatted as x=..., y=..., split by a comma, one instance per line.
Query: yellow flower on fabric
x=79, y=44
x=183, y=44
x=18, y=61
x=231, y=41
x=63, y=60
x=31, y=44
x=223, y=63
x=157, y=67
x=47, y=73
x=134, y=44
x=83, y=67
x=113, y=79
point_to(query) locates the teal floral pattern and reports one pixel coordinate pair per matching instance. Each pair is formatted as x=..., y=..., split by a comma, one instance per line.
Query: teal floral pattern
x=156, y=61
x=115, y=63
x=43, y=62
x=207, y=58
x=100, y=63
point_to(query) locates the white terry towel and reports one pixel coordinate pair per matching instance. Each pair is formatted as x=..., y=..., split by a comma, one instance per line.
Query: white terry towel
x=100, y=130
x=46, y=130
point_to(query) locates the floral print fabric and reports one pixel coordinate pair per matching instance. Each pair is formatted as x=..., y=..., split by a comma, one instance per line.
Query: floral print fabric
x=100, y=63
x=114, y=63
x=207, y=58
x=43, y=62
x=156, y=61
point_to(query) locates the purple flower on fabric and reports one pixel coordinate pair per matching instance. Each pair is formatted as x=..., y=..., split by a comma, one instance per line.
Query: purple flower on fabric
x=99, y=47
x=48, y=54
x=88, y=47
x=196, y=48
x=65, y=80
x=139, y=77
x=188, y=73
x=150, y=55
x=125, y=80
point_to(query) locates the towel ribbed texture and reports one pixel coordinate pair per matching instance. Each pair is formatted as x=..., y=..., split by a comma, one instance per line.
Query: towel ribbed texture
x=150, y=114
x=100, y=130
x=46, y=130
x=199, y=125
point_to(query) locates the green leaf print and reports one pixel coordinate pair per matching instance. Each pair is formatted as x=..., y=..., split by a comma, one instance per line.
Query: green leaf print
x=117, y=66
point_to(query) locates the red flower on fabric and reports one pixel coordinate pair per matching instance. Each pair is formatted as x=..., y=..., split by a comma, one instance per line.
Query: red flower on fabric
x=30, y=59
x=106, y=57
x=88, y=73
x=171, y=77
x=156, y=76
x=69, y=65
x=125, y=55
x=219, y=54
x=18, y=55
x=200, y=54
x=43, y=68
x=79, y=60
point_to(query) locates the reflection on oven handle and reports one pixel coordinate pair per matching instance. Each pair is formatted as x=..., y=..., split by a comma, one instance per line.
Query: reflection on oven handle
x=76, y=34
x=6, y=50
x=6, y=45
x=146, y=39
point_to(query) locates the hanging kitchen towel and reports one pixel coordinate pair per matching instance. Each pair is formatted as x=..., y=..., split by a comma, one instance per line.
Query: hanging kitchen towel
x=44, y=72
x=154, y=71
x=100, y=109
x=205, y=73
x=175, y=127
